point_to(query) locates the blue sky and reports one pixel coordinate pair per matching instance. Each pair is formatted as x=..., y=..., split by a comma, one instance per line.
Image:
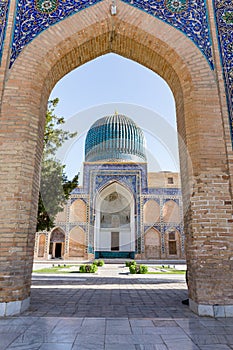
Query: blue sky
x=112, y=83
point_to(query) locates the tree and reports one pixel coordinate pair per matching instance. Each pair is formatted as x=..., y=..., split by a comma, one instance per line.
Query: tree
x=54, y=186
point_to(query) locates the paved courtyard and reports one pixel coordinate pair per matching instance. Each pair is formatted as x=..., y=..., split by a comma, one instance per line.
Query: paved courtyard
x=112, y=310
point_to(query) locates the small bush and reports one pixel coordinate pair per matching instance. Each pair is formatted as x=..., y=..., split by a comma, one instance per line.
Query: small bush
x=130, y=263
x=88, y=268
x=82, y=268
x=133, y=268
x=138, y=269
x=98, y=262
x=143, y=269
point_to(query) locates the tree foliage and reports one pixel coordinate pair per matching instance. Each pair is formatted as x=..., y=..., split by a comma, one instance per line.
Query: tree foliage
x=54, y=186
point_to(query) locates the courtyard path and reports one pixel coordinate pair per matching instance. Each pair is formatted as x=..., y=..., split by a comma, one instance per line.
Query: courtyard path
x=112, y=310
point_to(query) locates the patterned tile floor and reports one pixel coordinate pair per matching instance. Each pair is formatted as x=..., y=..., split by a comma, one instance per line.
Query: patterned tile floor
x=112, y=310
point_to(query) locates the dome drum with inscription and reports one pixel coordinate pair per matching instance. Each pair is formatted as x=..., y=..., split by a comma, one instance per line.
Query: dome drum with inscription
x=114, y=138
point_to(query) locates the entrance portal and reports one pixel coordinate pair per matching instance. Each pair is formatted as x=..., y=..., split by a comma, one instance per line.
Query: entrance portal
x=114, y=224
x=57, y=241
x=115, y=241
x=58, y=249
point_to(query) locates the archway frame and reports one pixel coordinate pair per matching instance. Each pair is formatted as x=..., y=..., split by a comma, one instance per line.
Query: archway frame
x=164, y=50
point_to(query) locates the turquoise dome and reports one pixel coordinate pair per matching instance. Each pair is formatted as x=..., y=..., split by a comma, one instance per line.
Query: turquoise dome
x=115, y=137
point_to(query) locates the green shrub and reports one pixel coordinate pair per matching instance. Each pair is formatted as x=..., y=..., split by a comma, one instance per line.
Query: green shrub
x=133, y=268
x=139, y=269
x=92, y=268
x=130, y=263
x=143, y=269
x=98, y=262
x=88, y=268
x=82, y=268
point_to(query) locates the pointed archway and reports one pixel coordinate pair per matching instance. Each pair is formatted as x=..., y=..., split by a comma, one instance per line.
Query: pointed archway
x=114, y=232
x=206, y=190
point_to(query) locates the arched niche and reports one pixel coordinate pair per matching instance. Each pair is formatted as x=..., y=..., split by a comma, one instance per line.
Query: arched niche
x=152, y=244
x=78, y=211
x=77, y=243
x=171, y=212
x=41, y=245
x=151, y=212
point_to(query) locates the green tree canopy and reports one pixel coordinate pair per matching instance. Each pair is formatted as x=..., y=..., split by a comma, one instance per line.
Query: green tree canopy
x=54, y=186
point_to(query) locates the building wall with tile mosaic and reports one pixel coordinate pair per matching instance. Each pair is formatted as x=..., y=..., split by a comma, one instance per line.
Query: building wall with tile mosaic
x=169, y=215
x=224, y=27
x=4, y=7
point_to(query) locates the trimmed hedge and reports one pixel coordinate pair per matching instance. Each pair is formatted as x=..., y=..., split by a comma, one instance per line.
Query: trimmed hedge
x=130, y=263
x=87, y=268
x=98, y=262
x=138, y=269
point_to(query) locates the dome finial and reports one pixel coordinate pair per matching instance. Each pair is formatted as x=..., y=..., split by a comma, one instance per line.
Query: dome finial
x=116, y=113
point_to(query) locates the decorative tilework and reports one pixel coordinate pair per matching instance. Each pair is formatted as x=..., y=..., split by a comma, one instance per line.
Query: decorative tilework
x=4, y=7
x=170, y=227
x=34, y=16
x=46, y=6
x=176, y=200
x=189, y=16
x=224, y=23
x=165, y=191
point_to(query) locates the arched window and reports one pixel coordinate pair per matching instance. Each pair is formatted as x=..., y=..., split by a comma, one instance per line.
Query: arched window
x=172, y=246
x=173, y=243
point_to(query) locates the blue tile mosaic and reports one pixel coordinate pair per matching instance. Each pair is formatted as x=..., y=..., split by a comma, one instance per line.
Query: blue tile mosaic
x=172, y=227
x=115, y=137
x=157, y=200
x=176, y=200
x=165, y=191
x=224, y=25
x=190, y=17
x=4, y=8
x=33, y=17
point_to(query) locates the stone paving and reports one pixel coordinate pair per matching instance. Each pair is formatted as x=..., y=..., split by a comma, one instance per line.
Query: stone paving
x=112, y=310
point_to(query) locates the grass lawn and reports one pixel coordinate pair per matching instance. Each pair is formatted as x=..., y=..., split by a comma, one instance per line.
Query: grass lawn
x=168, y=271
x=57, y=269
x=158, y=270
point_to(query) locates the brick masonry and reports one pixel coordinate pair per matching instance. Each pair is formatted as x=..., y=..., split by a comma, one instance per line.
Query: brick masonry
x=203, y=124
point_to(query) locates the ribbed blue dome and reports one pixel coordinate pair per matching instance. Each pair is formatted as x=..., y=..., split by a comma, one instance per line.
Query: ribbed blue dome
x=115, y=137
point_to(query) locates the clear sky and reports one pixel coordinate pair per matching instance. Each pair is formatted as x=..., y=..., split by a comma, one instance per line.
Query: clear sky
x=112, y=83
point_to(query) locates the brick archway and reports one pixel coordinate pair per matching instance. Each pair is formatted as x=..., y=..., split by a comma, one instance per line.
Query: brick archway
x=206, y=190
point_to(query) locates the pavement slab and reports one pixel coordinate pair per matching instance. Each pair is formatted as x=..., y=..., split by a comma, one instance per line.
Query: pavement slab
x=110, y=311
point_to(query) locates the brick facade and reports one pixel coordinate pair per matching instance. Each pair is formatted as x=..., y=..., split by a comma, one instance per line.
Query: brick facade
x=203, y=125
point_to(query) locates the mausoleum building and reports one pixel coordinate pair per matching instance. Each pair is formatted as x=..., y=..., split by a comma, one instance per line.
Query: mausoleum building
x=121, y=210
